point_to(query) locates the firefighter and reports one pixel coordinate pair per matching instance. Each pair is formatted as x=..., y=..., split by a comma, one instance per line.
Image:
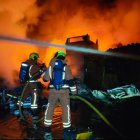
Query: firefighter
x=59, y=92
x=31, y=68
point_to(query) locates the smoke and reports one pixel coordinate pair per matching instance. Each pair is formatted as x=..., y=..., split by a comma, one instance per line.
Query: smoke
x=12, y=54
x=109, y=21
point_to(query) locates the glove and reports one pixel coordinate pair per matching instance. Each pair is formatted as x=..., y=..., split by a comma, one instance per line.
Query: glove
x=73, y=90
x=42, y=70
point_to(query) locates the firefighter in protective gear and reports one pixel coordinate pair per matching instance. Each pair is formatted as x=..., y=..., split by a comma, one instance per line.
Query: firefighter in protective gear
x=62, y=95
x=33, y=85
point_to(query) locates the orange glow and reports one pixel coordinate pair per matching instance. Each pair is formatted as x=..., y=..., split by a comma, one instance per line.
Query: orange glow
x=53, y=21
x=52, y=50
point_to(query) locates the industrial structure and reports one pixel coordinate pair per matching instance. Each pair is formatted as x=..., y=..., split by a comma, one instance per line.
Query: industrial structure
x=76, y=59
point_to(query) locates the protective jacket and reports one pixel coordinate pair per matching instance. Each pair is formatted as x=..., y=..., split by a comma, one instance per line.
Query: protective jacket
x=62, y=95
x=31, y=89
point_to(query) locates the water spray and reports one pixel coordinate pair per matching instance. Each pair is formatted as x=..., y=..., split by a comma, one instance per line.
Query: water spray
x=67, y=47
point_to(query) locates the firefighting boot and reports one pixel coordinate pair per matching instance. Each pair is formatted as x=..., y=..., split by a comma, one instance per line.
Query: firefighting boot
x=21, y=117
x=34, y=115
x=69, y=133
x=47, y=133
x=35, y=124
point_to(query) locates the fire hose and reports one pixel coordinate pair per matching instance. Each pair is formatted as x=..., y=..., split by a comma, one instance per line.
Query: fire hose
x=98, y=113
x=74, y=97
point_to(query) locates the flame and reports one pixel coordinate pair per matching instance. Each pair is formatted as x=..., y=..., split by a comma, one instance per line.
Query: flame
x=110, y=22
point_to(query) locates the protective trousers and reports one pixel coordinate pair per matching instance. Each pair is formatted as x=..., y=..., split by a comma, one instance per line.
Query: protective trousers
x=31, y=90
x=64, y=98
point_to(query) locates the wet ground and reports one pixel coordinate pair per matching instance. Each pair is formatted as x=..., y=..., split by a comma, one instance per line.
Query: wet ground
x=124, y=116
x=12, y=128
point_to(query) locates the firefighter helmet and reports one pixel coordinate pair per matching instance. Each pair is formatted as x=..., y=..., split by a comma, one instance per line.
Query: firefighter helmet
x=60, y=54
x=33, y=56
